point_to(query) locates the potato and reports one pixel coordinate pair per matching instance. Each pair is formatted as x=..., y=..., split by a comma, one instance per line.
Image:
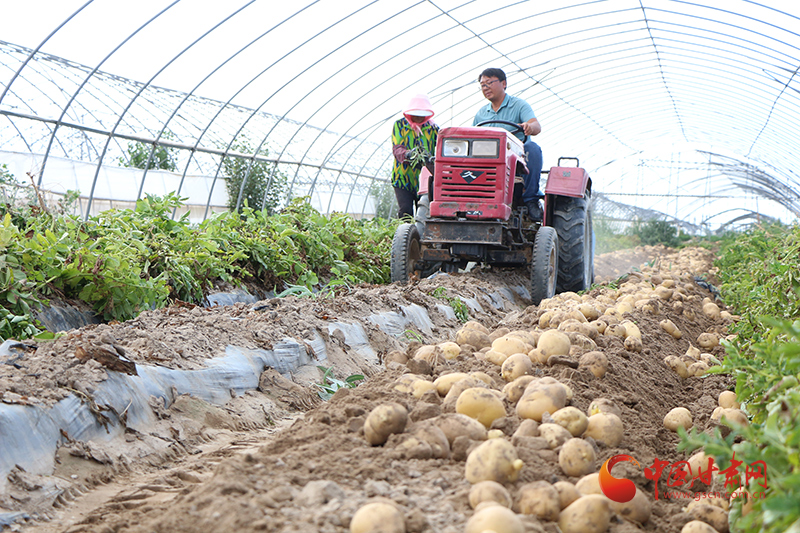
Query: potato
x=664, y=293
x=615, y=330
x=544, y=319
x=495, y=518
x=624, y=307
x=577, y=457
x=431, y=434
x=460, y=386
x=472, y=324
x=515, y=366
x=378, y=517
x=510, y=345
x=499, y=332
x=709, y=359
x=580, y=343
x=405, y=383
x=384, y=420
x=636, y=510
x=589, y=311
x=587, y=514
x=444, y=382
x=540, y=398
x=599, y=325
x=554, y=434
x=631, y=330
x=495, y=357
x=589, y=484
x=567, y=492
x=493, y=460
x=711, y=310
x=411, y=447
x=425, y=352
x=699, y=461
x=605, y=428
x=537, y=356
x=450, y=350
x=676, y=364
x=528, y=337
x=727, y=400
x=696, y=526
x=733, y=418
x=420, y=387
x=670, y=327
x=633, y=344
x=678, y=417
x=480, y=404
x=697, y=369
x=693, y=352
x=572, y=419
x=513, y=391
x=455, y=425
x=708, y=341
x=473, y=337
x=539, y=499
x=596, y=362
x=711, y=515
x=395, y=356
x=603, y=405
x=484, y=377
x=489, y=491
x=553, y=342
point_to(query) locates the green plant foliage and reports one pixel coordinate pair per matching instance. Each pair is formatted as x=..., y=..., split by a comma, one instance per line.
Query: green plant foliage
x=385, y=201
x=759, y=276
x=459, y=307
x=655, y=232
x=262, y=180
x=759, y=273
x=124, y=261
x=138, y=156
x=329, y=384
x=609, y=238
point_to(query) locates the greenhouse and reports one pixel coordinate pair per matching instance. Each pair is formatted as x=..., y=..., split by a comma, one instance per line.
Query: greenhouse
x=217, y=315
x=679, y=111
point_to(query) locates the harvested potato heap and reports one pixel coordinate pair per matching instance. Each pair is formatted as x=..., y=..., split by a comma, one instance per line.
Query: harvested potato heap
x=485, y=420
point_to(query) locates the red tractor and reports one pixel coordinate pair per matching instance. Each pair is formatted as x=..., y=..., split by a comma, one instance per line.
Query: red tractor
x=470, y=211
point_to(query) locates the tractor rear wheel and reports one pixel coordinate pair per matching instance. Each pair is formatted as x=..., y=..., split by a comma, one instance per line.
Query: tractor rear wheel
x=405, y=252
x=572, y=220
x=544, y=266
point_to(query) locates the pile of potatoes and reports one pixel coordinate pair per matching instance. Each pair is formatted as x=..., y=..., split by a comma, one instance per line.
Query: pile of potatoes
x=475, y=406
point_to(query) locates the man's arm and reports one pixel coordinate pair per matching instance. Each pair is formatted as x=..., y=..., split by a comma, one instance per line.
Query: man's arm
x=532, y=127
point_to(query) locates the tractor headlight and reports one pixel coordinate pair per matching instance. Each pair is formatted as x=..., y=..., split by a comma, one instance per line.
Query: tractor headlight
x=455, y=148
x=488, y=149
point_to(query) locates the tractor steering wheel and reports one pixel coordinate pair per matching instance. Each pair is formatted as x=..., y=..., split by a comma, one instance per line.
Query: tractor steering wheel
x=514, y=125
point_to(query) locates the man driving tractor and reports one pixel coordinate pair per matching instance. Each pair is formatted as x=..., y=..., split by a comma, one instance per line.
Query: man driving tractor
x=503, y=106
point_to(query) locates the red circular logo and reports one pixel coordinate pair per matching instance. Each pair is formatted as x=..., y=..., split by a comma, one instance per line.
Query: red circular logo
x=619, y=490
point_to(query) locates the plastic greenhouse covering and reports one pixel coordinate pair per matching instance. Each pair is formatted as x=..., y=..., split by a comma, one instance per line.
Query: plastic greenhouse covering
x=679, y=110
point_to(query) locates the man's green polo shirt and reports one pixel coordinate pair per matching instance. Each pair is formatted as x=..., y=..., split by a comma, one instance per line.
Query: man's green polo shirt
x=512, y=109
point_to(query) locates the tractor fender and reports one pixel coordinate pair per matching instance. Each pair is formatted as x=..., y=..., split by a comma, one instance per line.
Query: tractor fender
x=568, y=181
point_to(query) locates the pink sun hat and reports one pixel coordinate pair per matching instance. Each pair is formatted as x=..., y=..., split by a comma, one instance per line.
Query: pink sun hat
x=419, y=106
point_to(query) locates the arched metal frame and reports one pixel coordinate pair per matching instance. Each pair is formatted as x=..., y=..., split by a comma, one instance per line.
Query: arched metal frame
x=612, y=81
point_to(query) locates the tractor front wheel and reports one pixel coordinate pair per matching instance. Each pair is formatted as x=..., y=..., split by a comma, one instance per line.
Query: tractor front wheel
x=544, y=267
x=572, y=219
x=405, y=252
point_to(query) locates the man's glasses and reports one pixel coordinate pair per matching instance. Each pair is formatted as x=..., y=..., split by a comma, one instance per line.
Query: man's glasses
x=487, y=84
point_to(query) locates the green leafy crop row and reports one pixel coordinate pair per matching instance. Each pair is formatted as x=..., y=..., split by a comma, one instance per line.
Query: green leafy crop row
x=124, y=261
x=759, y=271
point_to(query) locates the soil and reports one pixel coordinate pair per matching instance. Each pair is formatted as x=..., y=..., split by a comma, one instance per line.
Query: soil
x=279, y=459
